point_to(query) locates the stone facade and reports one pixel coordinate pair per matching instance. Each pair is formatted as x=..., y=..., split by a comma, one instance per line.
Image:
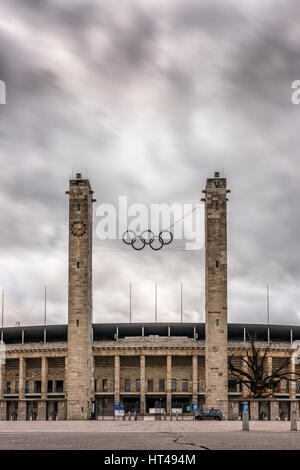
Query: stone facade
x=81, y=377
x=216, y=293
x=79, y=366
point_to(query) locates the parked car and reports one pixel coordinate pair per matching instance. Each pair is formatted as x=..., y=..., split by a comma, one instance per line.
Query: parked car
x=212, y=413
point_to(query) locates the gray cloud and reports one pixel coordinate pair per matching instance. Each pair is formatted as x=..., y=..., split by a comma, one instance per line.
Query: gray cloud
x=148, y=99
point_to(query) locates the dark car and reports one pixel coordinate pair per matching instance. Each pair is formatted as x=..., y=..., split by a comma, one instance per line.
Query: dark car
x=212, y=413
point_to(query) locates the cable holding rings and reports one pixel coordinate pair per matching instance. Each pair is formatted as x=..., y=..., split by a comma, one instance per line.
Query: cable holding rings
x=147, y=237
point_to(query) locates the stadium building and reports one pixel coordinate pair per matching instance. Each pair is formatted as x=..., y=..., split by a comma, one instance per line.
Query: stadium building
x=82, y=370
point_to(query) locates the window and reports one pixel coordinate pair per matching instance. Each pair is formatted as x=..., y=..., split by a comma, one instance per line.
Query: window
x=8, y=389
x=231, y=386
x=138, y=385
x=17, y=387
x=217, y=322
x=297, y=387
x=217, y=206
x=95, y=384
x=184, y=385
x=198, y=385
x=37, y=386
x=161, y=385
x=78, y=265
x=77, y=322
x=173, y=385
x=150, y=385
x=78, y=207
x=217, y=264
x=127, y=385
x=27, y=386
x=104, y=385
x=50, y=386
x=59, y=386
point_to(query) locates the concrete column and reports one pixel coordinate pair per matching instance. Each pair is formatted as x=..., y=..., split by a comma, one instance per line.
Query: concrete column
x=2, y=380
x=254, y=410
x=22, y=410
x=195, y=379
x=66, y=376
x=22, y=377
x=2, y=410
x=117, y=378
x=44, y=378
x=143, y=383
x=292, y=384
x=269, y=366
x=93, y=378
x=169, y=384
x=61, y=411
x=245, y=390
x=216, y=344
x=41, y=416
x=274, y=410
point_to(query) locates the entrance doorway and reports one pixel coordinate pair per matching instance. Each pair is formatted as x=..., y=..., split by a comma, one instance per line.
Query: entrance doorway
x=284, y=410
x=181, y=403
x=264, y=411
x=11, y=410
x=156, y=404
x=131, y=404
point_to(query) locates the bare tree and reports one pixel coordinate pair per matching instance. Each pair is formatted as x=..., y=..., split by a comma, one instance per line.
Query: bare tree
x=255, y=377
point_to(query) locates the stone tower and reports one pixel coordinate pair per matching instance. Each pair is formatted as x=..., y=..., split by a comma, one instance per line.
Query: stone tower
x=79, y=362
x=216, y=375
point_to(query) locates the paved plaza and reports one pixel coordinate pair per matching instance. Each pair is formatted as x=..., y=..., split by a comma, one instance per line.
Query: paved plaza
x=147, y=435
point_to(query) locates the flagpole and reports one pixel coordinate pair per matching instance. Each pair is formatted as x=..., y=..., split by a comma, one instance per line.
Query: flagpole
x=45, y=307
x=181, y=303
x=2, y=316
x=268, y=304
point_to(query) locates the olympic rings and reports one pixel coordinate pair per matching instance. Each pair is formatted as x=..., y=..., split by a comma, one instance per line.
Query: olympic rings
x=147, y=237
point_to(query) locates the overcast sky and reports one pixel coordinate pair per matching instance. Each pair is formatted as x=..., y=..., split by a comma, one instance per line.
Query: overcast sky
x=147, y=99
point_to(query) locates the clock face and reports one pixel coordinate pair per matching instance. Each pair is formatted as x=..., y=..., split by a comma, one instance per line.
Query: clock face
x=78, y=229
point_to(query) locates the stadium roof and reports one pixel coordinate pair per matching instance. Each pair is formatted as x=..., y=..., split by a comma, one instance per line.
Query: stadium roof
x=112, y=331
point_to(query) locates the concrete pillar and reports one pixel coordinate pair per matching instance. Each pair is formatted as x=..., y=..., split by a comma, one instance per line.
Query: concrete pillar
x=216, y=344
x=269, y=367
x=44, y=377
x=2, y=380
x=274, y=411
x=41, y=416
x=254, y=410
x=22, y=377
x=292, y=384
x=93, y=378
x=195, y=379
x=80, y=351
x=245, y=390
x=117, y=378
x=66, y=375
x=169, y=383
x=233, y=410
x=2, y=410
x=61, y=411
x=22, y=410
x=143, y=383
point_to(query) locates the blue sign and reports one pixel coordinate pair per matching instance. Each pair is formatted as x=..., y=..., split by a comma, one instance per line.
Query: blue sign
x=195, y=406
x=245, y=407
x=188, y=408
x=117, y=403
